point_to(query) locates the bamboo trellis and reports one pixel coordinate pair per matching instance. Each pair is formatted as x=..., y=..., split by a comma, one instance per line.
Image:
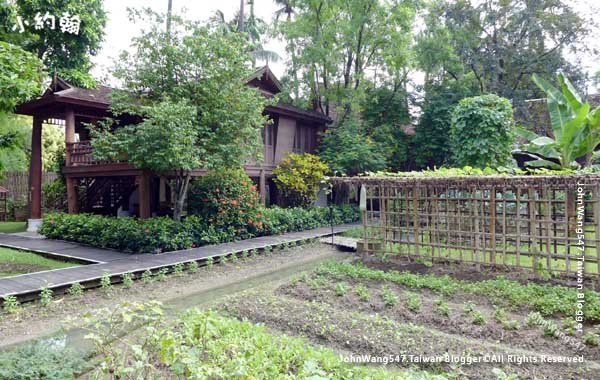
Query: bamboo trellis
x=528, y=222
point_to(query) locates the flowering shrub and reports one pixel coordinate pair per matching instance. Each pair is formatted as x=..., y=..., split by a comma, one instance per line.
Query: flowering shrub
x=226, y=199
x=163, y=234
x=299, y=177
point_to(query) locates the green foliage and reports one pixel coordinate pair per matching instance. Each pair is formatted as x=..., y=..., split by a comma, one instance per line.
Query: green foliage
x=576, y=128
x=189, y=86
x=41, y=360
x=210, y=262
x=482, y=131
x=147, y=276
x=413, y=302
x=105, y=283
x=127, y=280
x=442, y=307
x=477, y=318
x=227, y=199
x=175, y=348
x=193, y=266
x=66, y=54
x=546, y=299
x=75, y=290
x=21, y=76
x=299, y=177
x=46, y=296
x=431, y=146
x=362, y=292
x=341, y=288
x=163, y=234
x=591, y=339
x=161, y=275
x=346, y=149
x=11, y=304
x=55, y=195
x=388, y=296
x=178, y=269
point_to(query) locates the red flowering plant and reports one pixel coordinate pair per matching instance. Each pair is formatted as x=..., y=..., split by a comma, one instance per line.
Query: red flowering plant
x=227, y=198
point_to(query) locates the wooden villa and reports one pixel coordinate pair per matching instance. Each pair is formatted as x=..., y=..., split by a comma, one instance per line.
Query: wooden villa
x=117, y=188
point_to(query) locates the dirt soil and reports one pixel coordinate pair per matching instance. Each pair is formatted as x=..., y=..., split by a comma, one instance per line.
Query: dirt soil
x=178, y=292
x=468, y=272
x=312, y=305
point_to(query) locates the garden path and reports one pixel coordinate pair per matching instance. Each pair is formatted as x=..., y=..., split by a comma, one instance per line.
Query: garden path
x=115, y=263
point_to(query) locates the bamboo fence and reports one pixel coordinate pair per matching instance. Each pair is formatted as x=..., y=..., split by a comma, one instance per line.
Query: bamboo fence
x=548, y=224
x=17, y=184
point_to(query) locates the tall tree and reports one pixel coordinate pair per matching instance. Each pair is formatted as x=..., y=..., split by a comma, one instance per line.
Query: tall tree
x=336, y=44
x=65, y=52
x=189, y=89
x=502, y=43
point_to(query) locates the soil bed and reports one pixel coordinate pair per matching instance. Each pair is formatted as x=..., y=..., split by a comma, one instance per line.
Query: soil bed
x=352, y=315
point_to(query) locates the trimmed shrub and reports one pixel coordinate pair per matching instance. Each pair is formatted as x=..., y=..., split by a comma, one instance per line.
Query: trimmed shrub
x=163, y=234
x=226, y=199
x=299, y=177
x=482, y=131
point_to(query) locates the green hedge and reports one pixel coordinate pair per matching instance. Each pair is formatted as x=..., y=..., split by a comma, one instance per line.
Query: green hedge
x=163, y=234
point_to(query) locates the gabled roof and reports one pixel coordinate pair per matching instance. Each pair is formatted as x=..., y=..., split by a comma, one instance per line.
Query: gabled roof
x=265, y=80
x=61, y=92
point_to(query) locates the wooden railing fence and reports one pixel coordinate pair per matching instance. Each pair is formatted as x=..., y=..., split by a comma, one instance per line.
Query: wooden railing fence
x=541, y=223
x=17, y=184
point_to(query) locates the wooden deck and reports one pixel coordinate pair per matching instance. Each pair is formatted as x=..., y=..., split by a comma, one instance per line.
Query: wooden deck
x=114, y=263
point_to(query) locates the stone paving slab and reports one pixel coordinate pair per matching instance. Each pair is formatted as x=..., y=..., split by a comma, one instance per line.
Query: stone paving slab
x=115, y=263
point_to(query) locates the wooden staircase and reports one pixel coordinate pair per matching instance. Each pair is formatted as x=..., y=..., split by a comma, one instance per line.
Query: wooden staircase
x=104, y=195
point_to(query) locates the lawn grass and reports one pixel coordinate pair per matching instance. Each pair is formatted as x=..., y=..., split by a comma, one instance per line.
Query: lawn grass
x=12, y=227
x=13, y=262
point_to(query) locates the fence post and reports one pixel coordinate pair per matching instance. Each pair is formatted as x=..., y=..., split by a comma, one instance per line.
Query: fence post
x=493, y=225
x=532, y=230
x=416, y=219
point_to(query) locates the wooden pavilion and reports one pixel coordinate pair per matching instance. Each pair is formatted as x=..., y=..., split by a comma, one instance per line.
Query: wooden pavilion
x=118, y=188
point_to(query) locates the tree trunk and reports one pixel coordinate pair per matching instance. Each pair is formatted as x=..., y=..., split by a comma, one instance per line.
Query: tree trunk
x=169, y=12
x=181, y=188
x=241, y=17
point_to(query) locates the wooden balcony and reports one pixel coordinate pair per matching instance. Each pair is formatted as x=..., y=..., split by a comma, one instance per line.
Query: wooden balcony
x=82, y=154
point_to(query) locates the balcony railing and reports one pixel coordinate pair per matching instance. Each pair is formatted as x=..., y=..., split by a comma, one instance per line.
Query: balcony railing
x=82, y=154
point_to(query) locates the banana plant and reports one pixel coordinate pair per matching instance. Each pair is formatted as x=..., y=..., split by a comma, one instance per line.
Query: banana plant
x=575, y=128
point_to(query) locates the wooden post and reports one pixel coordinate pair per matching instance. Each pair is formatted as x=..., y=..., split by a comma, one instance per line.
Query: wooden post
x=69, y=133
x=144, y=194
x=72, y=202
x=533, y=234
x=262, y=187
x=35, y=170
x=493, y=225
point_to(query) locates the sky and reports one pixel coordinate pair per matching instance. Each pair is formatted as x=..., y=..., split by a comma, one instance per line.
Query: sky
x=119, y=30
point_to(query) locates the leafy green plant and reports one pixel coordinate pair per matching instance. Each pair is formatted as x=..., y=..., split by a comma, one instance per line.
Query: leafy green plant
x=362, y=292
x=11, y=304
x=245, y=255
x=46, y=295
x=234, y=257
x=388, y=296
x=127, y=279
x=569, y=325
x=147, y=276
x=477, y=318
x=341, y=288
x=75, y=290
x=193, y=266
x=576, y=128
x=591, y=339
x=482, y=131
x=468, y=307
x=253, y=253
x=161, y=275
x=210, y=262
x=224, y=259
x=178, y=269
x=298, y=177
x=510, y=324
x=413, y=302
x=442, y=307
x=105, y=283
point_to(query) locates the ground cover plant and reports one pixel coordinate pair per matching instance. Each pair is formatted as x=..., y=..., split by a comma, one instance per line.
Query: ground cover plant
x=382, y=311
x=206, y=344
x=164, y=234
x=15, y=262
